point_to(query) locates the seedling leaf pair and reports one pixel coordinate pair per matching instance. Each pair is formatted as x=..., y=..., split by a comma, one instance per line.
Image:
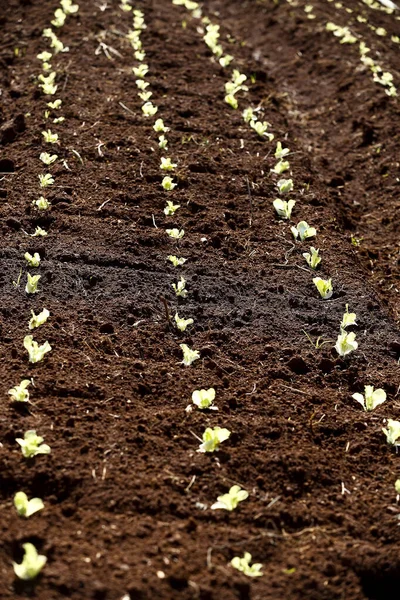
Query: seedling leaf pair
x=212, y=438
x=25, y=507
x=182, y=324
x=31, y=444
x=20, y=393
x=189, y=355
x=230, y=500
x=243, y=565
x=346, y=343
x=31, y=565
x=36, y=352
x=303, y=231
x=324, y=286
x=283, y=208
x=204, y=398
x=371, y=399
x=313, y=259
x=392, y=432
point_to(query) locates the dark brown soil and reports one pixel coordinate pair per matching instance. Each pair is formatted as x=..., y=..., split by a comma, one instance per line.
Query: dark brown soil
x=127, y=497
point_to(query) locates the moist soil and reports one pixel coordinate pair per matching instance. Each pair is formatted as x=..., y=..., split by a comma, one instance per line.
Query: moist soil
x=127, y=496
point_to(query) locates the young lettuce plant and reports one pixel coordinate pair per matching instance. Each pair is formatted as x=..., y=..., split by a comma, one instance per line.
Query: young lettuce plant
x=243, y=565
x=180, y=288
x=171, y=208
x=142, y=85
x=49, y=137
x=212, y=438
x=226, y=60
x=261, y=129
x=46, y=180
x=20, y=393
x=283, y=208
x=324, y=286
x=59, y=18
x=230, y=500
x=31, y=444
x=55, y=105
x=36, y=352
x=42, y=203
x=159, y=126
x=348, y=319
x=313, y=259
x=32, y=563
x=232, y=101
x=346, y=343
x=189, y=356
x=32, y=283
x=38, y=320
x=249, y=115
x=372, y=398
x=177, y=262
x=149, y=110
x=285, y=186
x=168, y=184
x=204, y=399
x=39, y=232
x=141, y=71
x=167, y=165
x=176, y=234
x=392, y=432
x=281, y=166
x=163, y=142
x=281, y=152
x=303, y=230
x=182, y=324
x=33, y=261
x=26, y=508
x=47, y=158
x=69, y=7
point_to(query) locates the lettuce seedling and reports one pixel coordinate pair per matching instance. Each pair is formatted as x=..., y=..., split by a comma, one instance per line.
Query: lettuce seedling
x=281, y=152
x=324, y=286
x=45, y=180
x=176, y=234
x=230, y=500
x=189, y=356
x=180, y=288
x=372, y=398
x=141, y=71
x=36, y=352
x=47, y=158
x=68, y=7
x=182, y=324
x=55, y=42
x=348, y=318
x=163, y=142
x=177, y=262
x=397, y=488
x=283, y=208
x=204, y=398
x=159, y=126
x=231, y=100
x=281, y=167
x=49, y=137
x=149, y=110
x=140, y=55
x=303, y=230
x=49, y=89
x=44, y=56
x=141, y=84
x=261, y=129
x=55, y=105
x=32, y=283
x=243, y=565
x=167, y=165
x=59, y=120
x=38, y=320
x=32, y=563
x=226, y=60
x=32, y=444
x=392, y=432
x=212, y=438
x=20, y=393
x=285, y=186
x=232, y=88
x=39, y=232
x=168, y=184
x=249, y=115
x=33, y=261
x=171, y=208
x=313, y=259
x=59, y=18
x=42, y=203
x=25, y=507
x=345, y=343
x=145, y=96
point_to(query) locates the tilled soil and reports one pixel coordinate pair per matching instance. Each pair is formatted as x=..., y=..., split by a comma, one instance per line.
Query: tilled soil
x=127, y=496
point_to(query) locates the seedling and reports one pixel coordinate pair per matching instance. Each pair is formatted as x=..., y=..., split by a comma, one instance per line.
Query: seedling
x=285, y=186
x=20, y=393
x=26, y=508
x=32, y=283
x=47, y=158
x=49, y=89
x=59, y=120
x=392, y=432
x=167, y=165
x=324, y=286
x=42, y=203
x=313, y=259
x=168, y=184
x=163, y=142
x=142, y=85
x=49, y=137
x=177, y=262
x=283, y=208
x=159, y=126
x=44, y=56
x=39, y=319
x=231, y=100
x=348, y=318
x=180, y=288
x=281, y=152
x=303, y=230
x=68, y=7
x=55, y=105
x=212, y=438
x=140, y=55
x=345, y=343
x=171, y=208
x=32, y=563
x=204, y=398
x=261, y=129
x=372, y=398
x=33, y=261
x=397, y=488
x=281, y=167
x=36, y=352
x=243, y=565
x=39, y=232
x=31, y=444
x=149, y=110
x=230, y=500
x=226, y=60
x=176, y=234
x=189, y=356
x=249, y=115
x=141, y=71
x=45, y=180
x=182, y=324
